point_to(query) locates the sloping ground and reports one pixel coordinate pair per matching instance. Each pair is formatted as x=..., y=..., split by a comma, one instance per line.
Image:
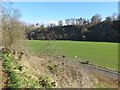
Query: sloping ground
x=20, y=74
x=63, y=72
x=21, y=70
x=33, y=71
x=68, y=73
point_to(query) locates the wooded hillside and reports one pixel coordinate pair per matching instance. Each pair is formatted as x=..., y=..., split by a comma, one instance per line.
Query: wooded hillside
x=104, y=31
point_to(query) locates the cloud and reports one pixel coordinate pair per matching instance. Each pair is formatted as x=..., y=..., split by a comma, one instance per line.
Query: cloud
x=48, y=22
x=44, y=22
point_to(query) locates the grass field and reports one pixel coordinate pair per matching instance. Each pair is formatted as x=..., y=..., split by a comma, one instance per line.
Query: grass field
x=99, y=53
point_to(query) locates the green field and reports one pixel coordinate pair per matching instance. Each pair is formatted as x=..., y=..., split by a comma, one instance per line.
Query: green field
x=99, y=53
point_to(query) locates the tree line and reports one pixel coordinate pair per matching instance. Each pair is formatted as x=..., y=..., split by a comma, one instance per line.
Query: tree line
x=78, y=29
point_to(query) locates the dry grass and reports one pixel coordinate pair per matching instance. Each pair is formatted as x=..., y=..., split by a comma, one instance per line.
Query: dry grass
x=65, y=73
x=109, y=82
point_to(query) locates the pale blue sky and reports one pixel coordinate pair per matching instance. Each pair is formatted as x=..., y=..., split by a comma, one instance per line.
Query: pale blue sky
x=43, y=12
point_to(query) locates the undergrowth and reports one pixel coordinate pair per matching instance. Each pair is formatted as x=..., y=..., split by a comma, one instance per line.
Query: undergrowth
x=17, y=78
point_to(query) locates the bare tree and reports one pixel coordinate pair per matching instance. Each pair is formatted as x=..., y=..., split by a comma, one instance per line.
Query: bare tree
x=1, y=24
x=96, y=19
x=114, y=16
x=72, y=21
x=118, y=17
x=52, y=25
x=11, y=27
x=67, y=21
x=108, y=19
x=79, y=21
x=60, y=23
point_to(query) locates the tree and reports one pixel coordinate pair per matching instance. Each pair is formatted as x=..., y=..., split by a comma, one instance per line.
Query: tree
x=52, y=25
x=88, y=22
x=30, y=27
x=118, y=17
x=114, y=16
x=1, y=24
x=42, y=27
x=84, y=22
x=72, y=21
x=76, y=21
x=108, y=19
x=37, y=25
x=67, y=21
x=60, y=23
x=96, y=19
x=11, y=27
x=80, y=21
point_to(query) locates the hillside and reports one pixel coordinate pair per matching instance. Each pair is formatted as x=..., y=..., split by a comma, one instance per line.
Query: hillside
x=30, y=71
x=102, y=32
x=21, y=70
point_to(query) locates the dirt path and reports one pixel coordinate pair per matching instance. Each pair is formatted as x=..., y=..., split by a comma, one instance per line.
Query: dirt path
x=105, y=72
x=108, y=77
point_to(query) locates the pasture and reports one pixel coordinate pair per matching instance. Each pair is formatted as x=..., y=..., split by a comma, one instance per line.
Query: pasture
x=100, y=53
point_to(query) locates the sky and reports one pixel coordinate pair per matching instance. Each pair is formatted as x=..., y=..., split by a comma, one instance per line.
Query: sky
x=51, y=12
